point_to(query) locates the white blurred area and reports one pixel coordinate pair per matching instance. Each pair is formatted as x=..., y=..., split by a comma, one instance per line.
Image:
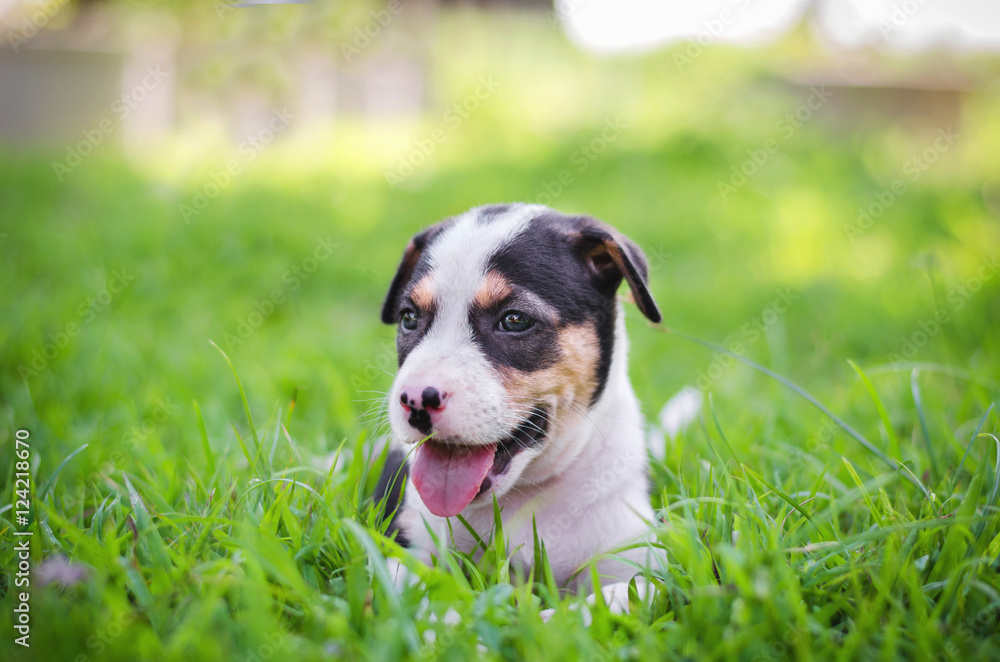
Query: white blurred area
x=913, y=25
x=628, y=26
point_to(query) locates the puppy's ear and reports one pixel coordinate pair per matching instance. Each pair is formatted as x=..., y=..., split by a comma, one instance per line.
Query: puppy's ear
x=611, y=257
x=405, y=271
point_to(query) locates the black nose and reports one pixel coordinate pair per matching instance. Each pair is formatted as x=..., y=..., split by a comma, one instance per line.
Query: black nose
x=429, y=399
x=420, y=412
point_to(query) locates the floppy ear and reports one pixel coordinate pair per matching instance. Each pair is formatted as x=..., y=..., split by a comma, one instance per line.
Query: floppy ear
x=611, y=257
x=405, y=271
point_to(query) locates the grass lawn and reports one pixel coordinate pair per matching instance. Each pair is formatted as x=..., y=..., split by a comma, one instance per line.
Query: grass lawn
x=182, y=514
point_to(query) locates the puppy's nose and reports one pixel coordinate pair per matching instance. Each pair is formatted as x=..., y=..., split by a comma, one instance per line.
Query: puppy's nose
x=425, y=406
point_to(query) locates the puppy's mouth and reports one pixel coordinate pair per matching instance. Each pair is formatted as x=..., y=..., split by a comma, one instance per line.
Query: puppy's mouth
x=449, y=476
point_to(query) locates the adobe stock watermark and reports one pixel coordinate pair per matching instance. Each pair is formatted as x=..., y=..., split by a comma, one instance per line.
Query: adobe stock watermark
x=248, y=150
x=750, y=333
x=452, y=118
x=914, y=168
x=132, y=441
x=714, y=28
x=562, y=10
x=958, y=297
x=899, y=15
x=118, y=112
x=273, y=643
x=385, y=362
x=597, y=488
x=103, y=637
x=34, y=22
x=292, y=280
x=784, y=129
x=961, y=294
x=784, y=647
x=365, y=35
x=985, y=620
x=86, y=311
x=581, y=159
x=134, y=438
x=817, y=442
x=223, y=8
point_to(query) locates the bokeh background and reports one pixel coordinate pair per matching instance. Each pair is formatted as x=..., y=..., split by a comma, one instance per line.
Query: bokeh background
x=359, y=123
x=812, y=182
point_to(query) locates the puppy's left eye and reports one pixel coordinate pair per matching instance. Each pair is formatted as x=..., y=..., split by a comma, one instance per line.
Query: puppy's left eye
x=409, y=320
x=515, y=320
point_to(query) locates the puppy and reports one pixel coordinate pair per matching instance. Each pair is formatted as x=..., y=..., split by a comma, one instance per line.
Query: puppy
x=513, y=385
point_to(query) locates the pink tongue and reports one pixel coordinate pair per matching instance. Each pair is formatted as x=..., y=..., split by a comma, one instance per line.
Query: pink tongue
x=448, y=477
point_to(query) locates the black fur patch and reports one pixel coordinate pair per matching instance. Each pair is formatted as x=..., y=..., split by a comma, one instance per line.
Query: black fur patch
x=546, y=260
x=411, y=267
x=576, y=264
x=534, y=349
x=390, y=487
x=420, y=419
x=407, y=341
x=489, y=213
x=415, y=267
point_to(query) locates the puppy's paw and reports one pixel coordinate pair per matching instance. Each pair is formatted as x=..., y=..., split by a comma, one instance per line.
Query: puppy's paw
x=616, y=597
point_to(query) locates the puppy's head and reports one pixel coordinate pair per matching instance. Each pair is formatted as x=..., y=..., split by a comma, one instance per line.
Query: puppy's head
x=506, y=329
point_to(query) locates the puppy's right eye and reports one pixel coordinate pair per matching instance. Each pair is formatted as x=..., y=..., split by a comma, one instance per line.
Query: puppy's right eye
x=515, y=321
x=408, y=320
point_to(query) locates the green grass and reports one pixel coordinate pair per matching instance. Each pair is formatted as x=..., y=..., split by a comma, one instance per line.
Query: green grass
x=844, y=506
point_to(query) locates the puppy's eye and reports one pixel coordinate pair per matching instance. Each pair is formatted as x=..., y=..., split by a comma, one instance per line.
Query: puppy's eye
x=515, y=320
x=408, y=320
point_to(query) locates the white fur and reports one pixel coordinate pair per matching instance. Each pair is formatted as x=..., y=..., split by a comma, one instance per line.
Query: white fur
x=586, y=485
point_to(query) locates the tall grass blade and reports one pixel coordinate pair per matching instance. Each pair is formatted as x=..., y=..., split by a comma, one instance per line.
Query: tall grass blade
x=787, y=383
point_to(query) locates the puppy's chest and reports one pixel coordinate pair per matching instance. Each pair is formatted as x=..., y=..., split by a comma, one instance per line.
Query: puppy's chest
x=571, y=536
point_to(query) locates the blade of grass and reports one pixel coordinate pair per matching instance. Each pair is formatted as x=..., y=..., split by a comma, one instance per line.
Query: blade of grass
x=882, y=413
x=725, y=440
x=801, y=392
x=500, y=545
x=864, y=492
x=246, y=451
x=206, y=447
x=381, y=572
x=918, y=403
x=147, y=529
x=787, y=499
x=939, y=368
x=51, y=482
x=243, y=395
x=975, y=435
x=996, y=472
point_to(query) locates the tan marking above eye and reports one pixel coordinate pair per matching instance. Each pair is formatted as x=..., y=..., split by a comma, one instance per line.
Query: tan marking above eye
x=572, y=378
x=494, y=288
x=422, y=293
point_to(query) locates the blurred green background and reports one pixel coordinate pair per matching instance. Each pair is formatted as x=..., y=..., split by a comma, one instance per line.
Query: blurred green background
x=645, y=146
x=649, y=143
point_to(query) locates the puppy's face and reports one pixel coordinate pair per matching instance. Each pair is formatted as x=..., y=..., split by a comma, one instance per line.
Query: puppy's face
x=506, y=318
